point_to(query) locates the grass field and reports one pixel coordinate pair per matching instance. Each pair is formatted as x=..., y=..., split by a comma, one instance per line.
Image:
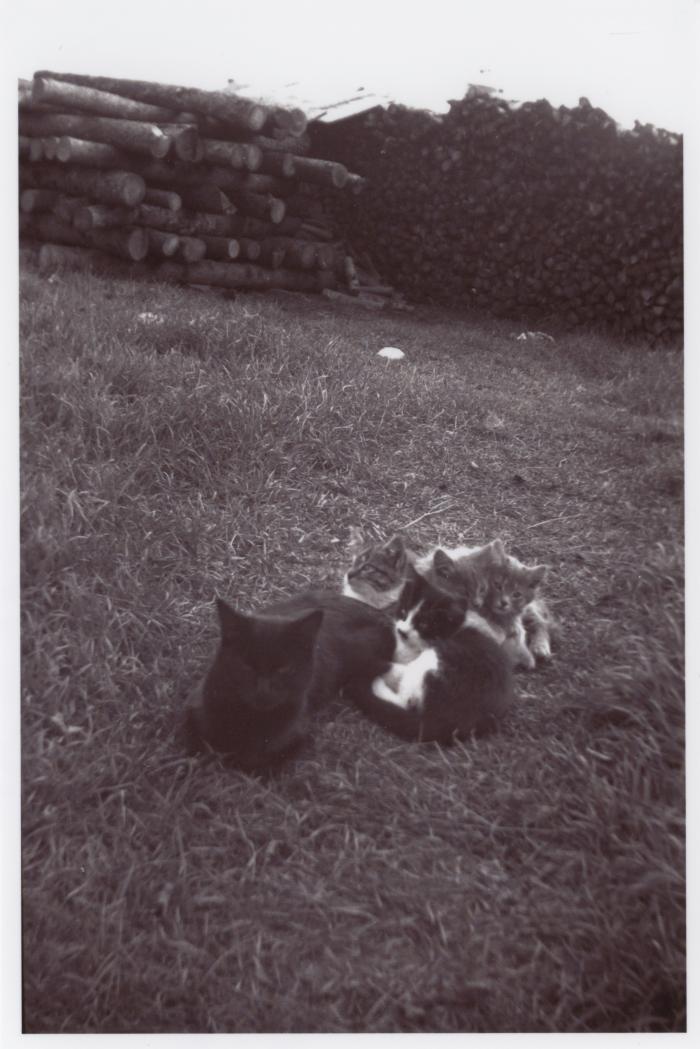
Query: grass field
x=530, y=881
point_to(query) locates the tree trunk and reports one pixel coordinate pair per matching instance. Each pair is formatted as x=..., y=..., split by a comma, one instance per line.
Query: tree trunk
x=146, y=139
x=250, y=249
x=281, y=164
x=222, y=248
x=323, y=172
x=207, y=197
x=191, y=249
x=288, y=121
x=102, y=216
x=298, y=146
x=25, y=147
x=218, y=152
x=91, y=154
x=126, y=242
x=107, y=187
x=192, y=223
x=163, y=198
x=66, y=96
x=162, y=245
x=50, y=147
x=32, y=200
x=238, y=112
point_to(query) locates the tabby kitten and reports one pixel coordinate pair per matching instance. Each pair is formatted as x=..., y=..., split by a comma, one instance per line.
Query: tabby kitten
x=448, y=680
x=378, y=570
x=274, y=668
x=503, y=596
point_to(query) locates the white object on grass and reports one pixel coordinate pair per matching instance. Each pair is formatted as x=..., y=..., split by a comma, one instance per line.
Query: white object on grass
x=391, y=353
x=150, y=318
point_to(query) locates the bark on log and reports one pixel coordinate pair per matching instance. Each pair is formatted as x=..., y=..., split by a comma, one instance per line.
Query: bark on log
x=65, y=207
x=259, y=206
x=185, y=142
x=25, y=147
x=102, y=216
x=252, y=156
x=222, y=248
x=218, y=152
x=271, y=255
x=298, y=146
x=191, y=249
x=91, y=154
x=233, y=110
x=36, y=149
x=281, y=164
x=288, y=121
x=249, y=248
x=125, y=242
x=162, y=245
x=207, y=197
x=134, y=135
x=163, y=198
x=186, y=222
x=322, y=172
x=128, y=242
x=67, y=96
x=107, y=187
x=49, y=146
x=31, y=200
x=43, y=226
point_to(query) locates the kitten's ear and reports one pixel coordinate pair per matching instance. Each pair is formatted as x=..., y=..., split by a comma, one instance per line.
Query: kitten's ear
x=497, y=551
x=357, y=541
x=536, y=575
x=396, y=550
x=303, y=631
x=444, y=566
x=234, y=625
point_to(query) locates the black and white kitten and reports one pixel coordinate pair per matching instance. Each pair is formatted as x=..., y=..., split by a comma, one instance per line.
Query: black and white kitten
x=273, y=668
x=448, y=680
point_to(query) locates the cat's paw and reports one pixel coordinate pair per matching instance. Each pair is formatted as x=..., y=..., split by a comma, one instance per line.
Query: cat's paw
x=541, y=650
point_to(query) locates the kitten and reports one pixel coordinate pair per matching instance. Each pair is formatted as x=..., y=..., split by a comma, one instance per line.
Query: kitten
x=378, y=570
x=274, y=668
x=503, y=595
x=253, y=700
x=448, y=680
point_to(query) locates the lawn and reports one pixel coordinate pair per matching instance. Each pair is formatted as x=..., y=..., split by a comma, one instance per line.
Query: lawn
x=182, y=444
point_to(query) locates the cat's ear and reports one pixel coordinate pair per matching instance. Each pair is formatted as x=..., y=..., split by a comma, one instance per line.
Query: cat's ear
x=234, y=625
x=536, y=575
x=357, y=541
x=444, y=566
x=303, y=631
x=396, y=550
x=496, y=551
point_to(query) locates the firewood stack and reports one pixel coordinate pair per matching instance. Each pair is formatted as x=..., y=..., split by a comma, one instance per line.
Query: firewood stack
x=529, y=212
x=201, y=187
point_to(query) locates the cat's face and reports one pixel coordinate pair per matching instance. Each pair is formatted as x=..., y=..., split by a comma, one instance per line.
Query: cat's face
x=377, y=571
x=510, y=587
x=259, y=678
x=463, y=578
x=424, y=615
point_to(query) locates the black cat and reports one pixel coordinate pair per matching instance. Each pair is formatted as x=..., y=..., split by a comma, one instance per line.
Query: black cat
x=275, y=667
x=447, y=680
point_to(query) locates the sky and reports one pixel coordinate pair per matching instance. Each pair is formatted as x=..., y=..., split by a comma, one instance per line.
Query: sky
x=631, y=57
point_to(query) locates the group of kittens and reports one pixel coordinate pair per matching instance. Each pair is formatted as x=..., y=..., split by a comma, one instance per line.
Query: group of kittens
x=424, y=645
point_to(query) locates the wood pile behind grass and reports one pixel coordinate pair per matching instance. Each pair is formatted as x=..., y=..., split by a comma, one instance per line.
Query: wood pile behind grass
x=526, y=211
x=200, y=187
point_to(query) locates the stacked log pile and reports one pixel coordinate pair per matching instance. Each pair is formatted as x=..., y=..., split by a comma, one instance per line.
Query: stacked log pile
x=182, y=184
x=528, y=212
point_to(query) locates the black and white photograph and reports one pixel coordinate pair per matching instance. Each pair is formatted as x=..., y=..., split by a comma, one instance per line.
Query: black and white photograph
x=345, y=580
